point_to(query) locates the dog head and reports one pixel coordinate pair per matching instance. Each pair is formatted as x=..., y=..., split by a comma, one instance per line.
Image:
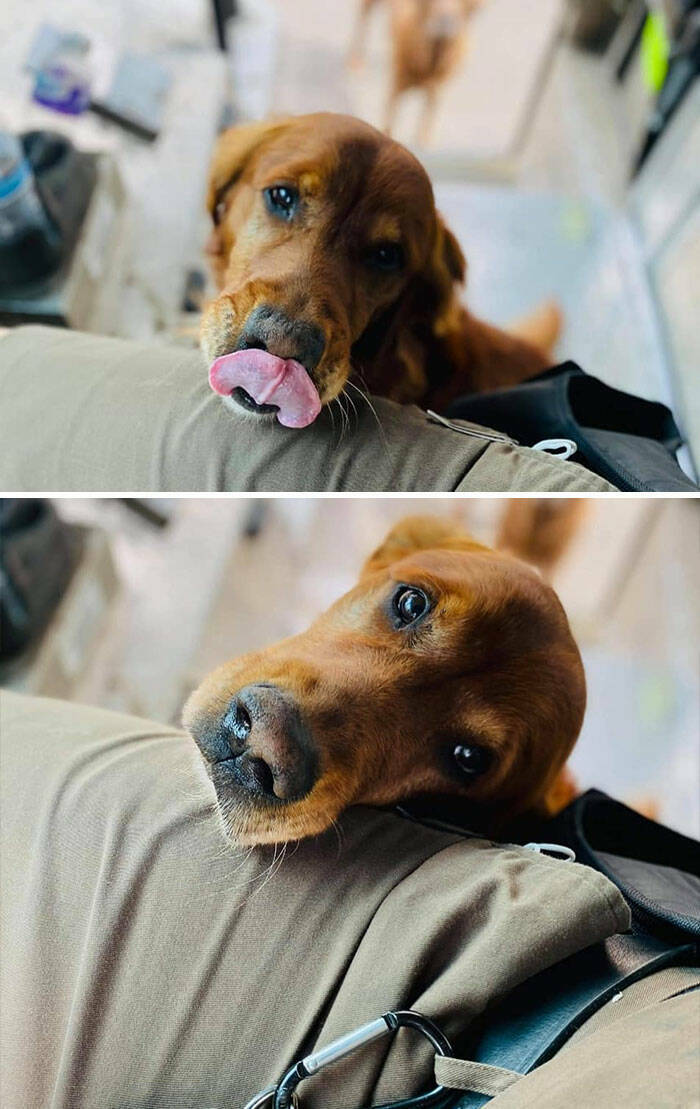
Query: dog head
x=330, y=258
x=448, y=670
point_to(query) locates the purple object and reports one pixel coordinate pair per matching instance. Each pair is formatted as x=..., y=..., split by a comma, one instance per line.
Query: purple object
x=59, y=88
x=63, y=76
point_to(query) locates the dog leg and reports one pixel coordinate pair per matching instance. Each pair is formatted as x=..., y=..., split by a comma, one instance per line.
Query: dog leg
x=541, y=328
x=391, y=110
x=426, y=123
x=355, y=57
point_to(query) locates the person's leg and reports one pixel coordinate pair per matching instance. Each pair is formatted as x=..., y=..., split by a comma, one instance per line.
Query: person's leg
x=146, y=962
x=149, y=964
x=102, y=815
x=121, y=416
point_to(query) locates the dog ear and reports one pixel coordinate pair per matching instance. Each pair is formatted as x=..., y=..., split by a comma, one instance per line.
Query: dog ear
x=445, y=271
x=419, y=533
x=394, y=355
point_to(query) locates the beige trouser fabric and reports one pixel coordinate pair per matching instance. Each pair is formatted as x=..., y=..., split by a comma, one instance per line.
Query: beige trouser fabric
x=147, y=964
x=84, y=412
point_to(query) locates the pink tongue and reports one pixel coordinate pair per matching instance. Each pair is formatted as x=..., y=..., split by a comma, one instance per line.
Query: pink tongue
x=268, y=380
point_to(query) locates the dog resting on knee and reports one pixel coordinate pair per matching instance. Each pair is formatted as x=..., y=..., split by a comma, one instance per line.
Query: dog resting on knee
x=336, y=272
x=447, y=675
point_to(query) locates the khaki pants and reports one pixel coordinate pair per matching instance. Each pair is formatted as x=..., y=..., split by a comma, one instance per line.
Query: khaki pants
x=147, y=963
x=88, y=413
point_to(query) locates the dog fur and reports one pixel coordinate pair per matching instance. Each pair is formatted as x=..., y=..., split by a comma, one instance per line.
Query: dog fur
x=402, y=333
x=492, y=664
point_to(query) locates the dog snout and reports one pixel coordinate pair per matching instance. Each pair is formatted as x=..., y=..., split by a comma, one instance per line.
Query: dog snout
x=268, y=328
x=264, y=735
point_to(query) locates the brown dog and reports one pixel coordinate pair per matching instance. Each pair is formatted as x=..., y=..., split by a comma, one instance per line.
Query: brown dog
x=429, y=40
x=334, y=267
x=448, y=670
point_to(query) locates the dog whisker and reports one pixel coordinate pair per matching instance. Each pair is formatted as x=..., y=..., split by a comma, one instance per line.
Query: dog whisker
x=351, y=401
x=343, y=418
x=339, y=835
x=272, y=870
x=368, y=402
x=346, y=418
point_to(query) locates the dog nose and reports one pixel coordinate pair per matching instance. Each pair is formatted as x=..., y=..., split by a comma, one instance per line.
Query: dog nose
x=268, y=328
x=270, y=744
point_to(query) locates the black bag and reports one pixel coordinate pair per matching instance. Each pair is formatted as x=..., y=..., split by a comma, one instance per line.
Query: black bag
x=629, y=441
x=656, y=869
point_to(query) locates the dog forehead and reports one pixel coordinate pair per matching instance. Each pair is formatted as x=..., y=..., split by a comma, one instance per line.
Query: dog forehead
x=447, y=570
x=476, y=580
x=353, y=166
x=295, y=149
x=384, y=178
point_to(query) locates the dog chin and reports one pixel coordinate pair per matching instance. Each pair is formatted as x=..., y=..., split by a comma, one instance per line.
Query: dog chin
x=259, y=829
x=247, y=824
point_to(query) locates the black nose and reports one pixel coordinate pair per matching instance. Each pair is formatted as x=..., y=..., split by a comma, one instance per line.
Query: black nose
x=268, y=328
x=264, y=734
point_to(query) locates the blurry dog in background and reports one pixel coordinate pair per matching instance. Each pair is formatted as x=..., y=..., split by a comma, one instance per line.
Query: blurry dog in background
x=429, y=40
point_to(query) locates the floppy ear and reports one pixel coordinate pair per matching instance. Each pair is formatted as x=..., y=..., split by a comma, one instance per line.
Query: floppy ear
x=445, y=272
x=394, y=353
x=231, y=153
x=416, y=533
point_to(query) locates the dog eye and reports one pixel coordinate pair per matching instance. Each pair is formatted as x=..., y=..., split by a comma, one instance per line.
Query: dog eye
x=219, y=212
x=387, y=257
x=409, y=604
x=472, y=761
x=282, y=201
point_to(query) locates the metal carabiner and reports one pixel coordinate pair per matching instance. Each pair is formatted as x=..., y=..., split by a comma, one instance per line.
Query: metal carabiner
x=263, y=1099
x=282, y=1096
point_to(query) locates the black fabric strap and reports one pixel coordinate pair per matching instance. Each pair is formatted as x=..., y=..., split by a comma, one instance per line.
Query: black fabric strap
x=543, y=1013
